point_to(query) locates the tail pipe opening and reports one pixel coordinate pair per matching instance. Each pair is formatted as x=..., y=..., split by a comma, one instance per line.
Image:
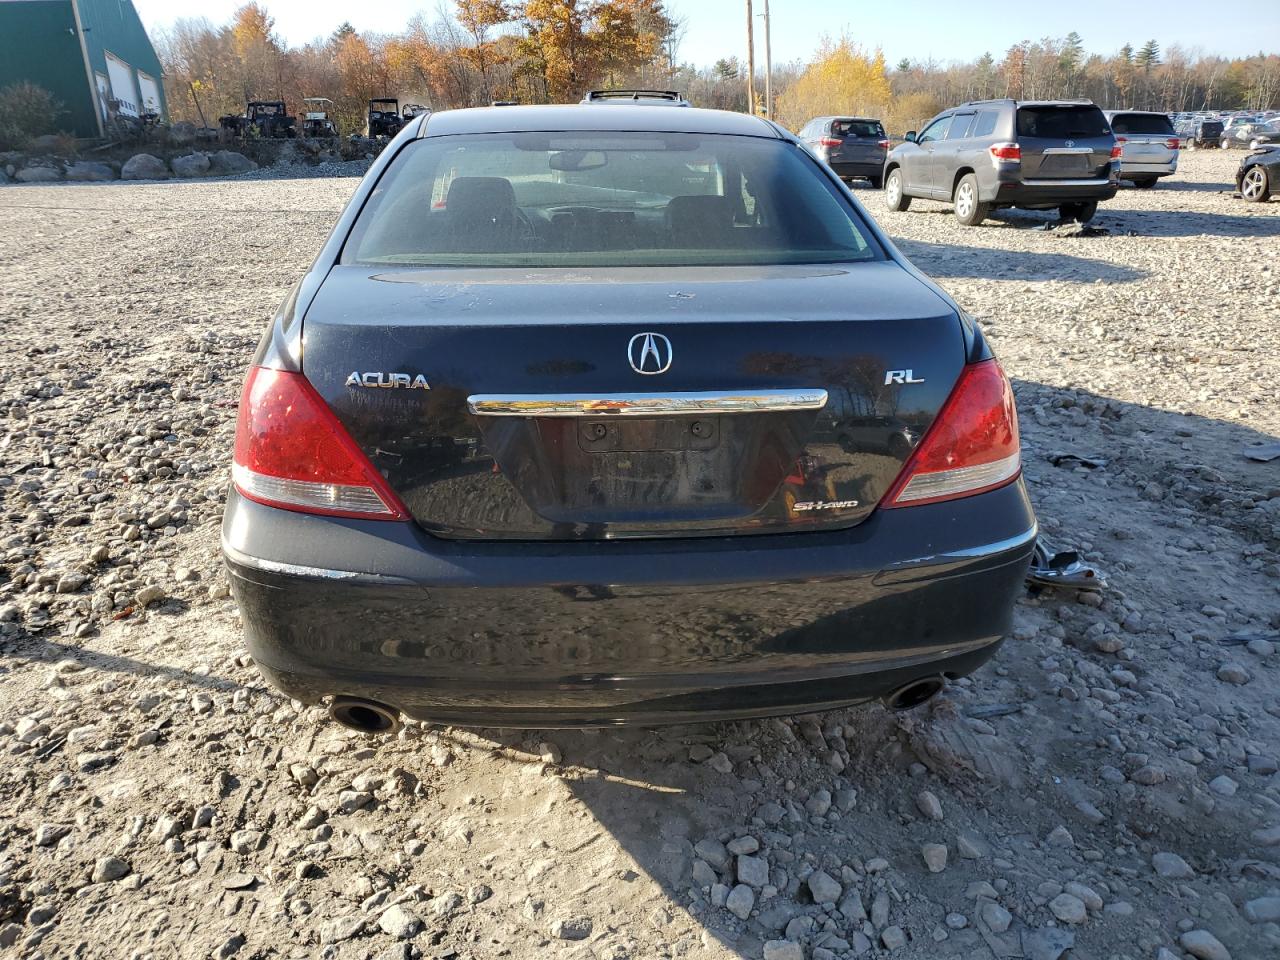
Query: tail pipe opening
x=913, y=694
x=365, y=716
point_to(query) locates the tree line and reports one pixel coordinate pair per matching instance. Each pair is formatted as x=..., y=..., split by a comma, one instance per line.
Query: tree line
x=544, y=51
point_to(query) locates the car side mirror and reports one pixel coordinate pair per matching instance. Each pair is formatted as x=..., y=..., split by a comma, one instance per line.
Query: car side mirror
x=910, y=137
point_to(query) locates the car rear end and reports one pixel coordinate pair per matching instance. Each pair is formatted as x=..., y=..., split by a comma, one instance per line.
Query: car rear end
x=1057, y=154
x=1208, y=133
x=855, y=148
x=1149, y=145
x=560, y=449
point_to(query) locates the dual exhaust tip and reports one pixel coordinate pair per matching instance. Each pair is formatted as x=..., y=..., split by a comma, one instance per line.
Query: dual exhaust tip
x=372, y=718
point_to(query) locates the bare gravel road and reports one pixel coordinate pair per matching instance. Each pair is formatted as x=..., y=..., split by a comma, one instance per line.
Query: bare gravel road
x=1106, y=789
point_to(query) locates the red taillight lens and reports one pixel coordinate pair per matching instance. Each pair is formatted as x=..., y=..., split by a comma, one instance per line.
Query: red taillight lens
x=972, y=445
x=292, y=452
x=883, y=144
x=1116, y=152
x=1122, y=139
x=1173, y=143
x=1006, y=151
x=829, y=142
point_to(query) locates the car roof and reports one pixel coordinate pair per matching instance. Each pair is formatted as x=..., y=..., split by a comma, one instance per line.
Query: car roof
x=594, y=117
x=1026, y=103
x=1149, y=113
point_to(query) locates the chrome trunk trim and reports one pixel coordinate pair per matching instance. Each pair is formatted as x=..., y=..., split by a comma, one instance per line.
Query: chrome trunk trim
x=645, y=404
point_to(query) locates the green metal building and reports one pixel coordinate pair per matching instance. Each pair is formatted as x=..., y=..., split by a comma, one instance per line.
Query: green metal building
x=93, y=55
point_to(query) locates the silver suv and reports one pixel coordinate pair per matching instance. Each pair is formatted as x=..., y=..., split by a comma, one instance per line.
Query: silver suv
x=1148, y=145
x=1037, y=155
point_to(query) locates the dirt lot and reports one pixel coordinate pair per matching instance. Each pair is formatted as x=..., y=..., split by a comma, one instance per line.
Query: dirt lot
x=1107, y=788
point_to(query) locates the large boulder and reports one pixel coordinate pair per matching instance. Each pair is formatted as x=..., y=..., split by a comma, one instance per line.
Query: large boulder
x=38, y=175
x=192, y=165
x=144, y=166
x=48, y=142
x=226, y=162
x=90, y=170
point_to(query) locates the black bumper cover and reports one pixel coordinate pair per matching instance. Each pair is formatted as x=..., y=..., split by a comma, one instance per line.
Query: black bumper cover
x=598, y=633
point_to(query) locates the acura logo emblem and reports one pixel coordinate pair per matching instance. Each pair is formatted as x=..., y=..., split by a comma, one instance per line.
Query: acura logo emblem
x=649, y=353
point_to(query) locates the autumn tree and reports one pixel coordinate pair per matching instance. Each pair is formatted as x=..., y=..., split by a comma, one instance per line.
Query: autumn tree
x=842, y=79
x=258, y=53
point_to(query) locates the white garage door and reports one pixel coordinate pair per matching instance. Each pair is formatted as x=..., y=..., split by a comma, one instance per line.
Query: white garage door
x=150, y=93
x=122, y=86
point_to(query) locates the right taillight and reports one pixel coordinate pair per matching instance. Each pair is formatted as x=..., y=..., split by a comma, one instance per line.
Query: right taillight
x=971, y=447
x=292, y=452
x=1117, y=152
x=1005, y=152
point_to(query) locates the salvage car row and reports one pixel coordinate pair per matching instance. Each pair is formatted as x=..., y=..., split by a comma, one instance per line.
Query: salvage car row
x=983, y=156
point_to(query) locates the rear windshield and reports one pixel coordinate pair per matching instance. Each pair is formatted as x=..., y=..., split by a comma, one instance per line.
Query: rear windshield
x=605, y=199
x=1126, y=123
x=1062, y=123
x=1211, y=126
x=856, y=128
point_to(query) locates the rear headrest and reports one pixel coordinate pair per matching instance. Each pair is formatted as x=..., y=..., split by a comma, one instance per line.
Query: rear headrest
x=481, y=199
x=699, y=219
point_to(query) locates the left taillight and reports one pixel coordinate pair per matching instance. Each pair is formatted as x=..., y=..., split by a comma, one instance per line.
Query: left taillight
x=292, y=452
x=972, y=445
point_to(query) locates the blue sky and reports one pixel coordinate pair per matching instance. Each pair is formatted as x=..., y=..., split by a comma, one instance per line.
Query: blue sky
x=920, y=29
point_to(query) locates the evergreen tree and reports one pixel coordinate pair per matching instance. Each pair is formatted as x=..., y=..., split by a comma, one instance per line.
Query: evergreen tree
x=1149, y=55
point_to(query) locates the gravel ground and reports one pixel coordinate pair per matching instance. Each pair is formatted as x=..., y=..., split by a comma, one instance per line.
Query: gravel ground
x=1107, y=788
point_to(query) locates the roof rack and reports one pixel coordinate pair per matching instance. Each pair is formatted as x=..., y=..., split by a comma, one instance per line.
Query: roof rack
x=974, y=103
x=504, y=103
x=673, y=97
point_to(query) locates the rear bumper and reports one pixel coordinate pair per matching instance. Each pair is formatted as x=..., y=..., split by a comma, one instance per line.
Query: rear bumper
x=873, y=169
x=597, y=633
x=1155, y=168
x=1051, y=193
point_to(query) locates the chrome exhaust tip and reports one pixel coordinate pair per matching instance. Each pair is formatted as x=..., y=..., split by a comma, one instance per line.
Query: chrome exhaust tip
x=913, y=694
x=364, y=716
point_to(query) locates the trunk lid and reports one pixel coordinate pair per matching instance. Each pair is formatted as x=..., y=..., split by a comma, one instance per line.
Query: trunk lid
x=1144, y=137
x=1064, y=142
x=883, y=346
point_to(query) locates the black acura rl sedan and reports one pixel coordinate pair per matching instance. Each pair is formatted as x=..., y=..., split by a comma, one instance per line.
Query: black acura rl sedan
x=589, y=415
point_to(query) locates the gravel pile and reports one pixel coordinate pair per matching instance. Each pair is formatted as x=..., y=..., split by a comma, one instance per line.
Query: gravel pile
x=1107, y=788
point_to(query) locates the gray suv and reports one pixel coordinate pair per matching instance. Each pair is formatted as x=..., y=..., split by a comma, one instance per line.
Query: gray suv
x=989, y=154
x=851, y=146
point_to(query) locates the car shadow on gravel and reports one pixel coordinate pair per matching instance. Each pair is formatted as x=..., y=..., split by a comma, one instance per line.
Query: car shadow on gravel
x=43, y=650
x=1185, y=223
x=834, y=791
x=949, y=260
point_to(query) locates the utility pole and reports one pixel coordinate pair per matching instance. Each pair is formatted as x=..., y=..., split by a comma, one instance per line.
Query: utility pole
x=751, y=62
x=768, y=63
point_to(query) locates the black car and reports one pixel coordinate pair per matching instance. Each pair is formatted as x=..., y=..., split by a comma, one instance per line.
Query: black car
x=854, y=147
x=1199, y=134
x=982, y=156
x=543, y=438
x=1258, y=176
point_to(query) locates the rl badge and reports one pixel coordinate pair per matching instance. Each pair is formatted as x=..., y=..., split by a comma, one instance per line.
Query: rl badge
x=388, y=381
